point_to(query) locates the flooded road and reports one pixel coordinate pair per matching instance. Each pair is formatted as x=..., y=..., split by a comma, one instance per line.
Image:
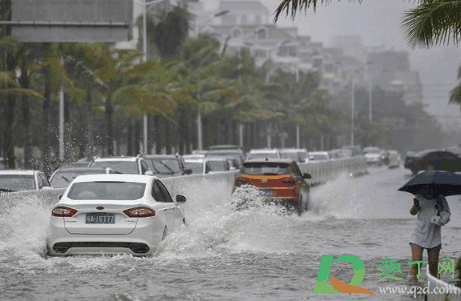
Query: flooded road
x=223, y=254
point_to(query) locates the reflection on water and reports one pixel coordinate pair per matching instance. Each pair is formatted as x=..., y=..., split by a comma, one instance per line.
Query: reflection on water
x=225, y=254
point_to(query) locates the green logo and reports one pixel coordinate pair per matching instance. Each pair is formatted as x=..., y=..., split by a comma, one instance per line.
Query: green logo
x=353, y=287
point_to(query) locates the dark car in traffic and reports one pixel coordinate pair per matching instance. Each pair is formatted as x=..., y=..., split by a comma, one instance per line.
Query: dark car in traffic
x=432, y=159
x=164, y=166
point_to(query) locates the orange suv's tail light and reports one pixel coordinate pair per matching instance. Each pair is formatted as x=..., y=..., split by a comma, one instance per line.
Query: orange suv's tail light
x=62, y=211
x=139, y=212
x=240, y=181
x=290, y=181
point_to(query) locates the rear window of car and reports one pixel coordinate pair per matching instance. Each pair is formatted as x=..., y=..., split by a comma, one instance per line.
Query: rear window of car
x=128, y=167
x=318, y=157
x=290, y=155
x=64, y=177
x=216, y=166
x=262, y=155
x=106, y=191
x=225, y=154
x=196, y=167
x=266, y=168
x=164, y=166
x=10, y=183
x=372, y=151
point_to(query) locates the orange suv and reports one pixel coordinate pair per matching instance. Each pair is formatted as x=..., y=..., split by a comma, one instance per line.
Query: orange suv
x=278, y=180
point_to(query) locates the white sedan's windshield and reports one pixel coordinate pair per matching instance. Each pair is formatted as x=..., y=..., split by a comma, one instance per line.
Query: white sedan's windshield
x=106, y=191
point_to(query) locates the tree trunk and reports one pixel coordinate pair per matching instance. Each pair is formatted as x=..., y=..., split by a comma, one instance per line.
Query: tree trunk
x=109, y=139
x=167, y=136
x=89, y=126
x=45, y=145
x=24, y=81
x=137, y=136
x=129, y=138
x=8, y=102
x=68, y=140
x=157, y=141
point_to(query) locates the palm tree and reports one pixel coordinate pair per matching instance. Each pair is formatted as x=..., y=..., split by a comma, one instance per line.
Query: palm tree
x=81, y=68
x=455, y=94
x=10, y=87
x=432, y=22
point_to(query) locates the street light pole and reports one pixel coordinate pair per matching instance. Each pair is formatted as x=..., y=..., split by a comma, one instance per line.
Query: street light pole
x=144, y=59
x=199, y=115
x=370, y=104
x=297, y=125
x=370, y=91
x=352, y=111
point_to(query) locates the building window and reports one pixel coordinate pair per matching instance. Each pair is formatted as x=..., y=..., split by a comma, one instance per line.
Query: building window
x=261, y=35
x=243, y=20
x=283, y=51
x=229, y=20
x=317, y=62
x=260, y=53
x=236, y=33
x=328, y=68
x=258, y=19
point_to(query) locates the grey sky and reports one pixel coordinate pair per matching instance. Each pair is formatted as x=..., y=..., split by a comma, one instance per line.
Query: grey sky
x=379, y=23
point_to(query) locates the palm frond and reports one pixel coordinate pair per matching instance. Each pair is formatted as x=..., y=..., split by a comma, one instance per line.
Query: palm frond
x=297, y=5
x=7, y=43
x=208, y=107
x=433, y=23
x=8, y=78
x=455, y=95
x=20, y=92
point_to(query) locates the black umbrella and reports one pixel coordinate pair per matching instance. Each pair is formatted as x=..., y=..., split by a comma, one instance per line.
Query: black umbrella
x=444, y=182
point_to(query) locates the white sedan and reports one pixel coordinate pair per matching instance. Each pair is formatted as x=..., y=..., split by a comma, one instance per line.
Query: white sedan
x=113, y=214
x=19, y=180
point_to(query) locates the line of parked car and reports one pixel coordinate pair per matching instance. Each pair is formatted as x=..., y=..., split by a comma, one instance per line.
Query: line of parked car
x=120, y=204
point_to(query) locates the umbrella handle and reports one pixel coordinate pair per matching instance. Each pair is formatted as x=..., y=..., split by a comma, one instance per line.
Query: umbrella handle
x=439, y=205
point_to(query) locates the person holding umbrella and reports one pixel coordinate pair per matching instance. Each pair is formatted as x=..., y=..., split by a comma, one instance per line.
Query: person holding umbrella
x=432, y=211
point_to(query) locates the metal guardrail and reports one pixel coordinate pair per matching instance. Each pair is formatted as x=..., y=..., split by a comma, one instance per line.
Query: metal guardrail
x=322, y=171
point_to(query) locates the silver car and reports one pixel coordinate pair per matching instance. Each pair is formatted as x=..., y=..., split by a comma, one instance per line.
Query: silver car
x=19, y=180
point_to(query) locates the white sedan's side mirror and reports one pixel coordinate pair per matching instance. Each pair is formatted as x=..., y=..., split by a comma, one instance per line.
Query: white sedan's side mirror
x=180, y=198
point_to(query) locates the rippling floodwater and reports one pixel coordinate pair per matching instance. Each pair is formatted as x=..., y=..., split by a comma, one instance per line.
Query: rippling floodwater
x=255, y=254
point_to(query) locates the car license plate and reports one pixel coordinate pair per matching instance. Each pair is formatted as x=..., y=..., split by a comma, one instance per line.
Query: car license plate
x=266, y=192
x=100, y=218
